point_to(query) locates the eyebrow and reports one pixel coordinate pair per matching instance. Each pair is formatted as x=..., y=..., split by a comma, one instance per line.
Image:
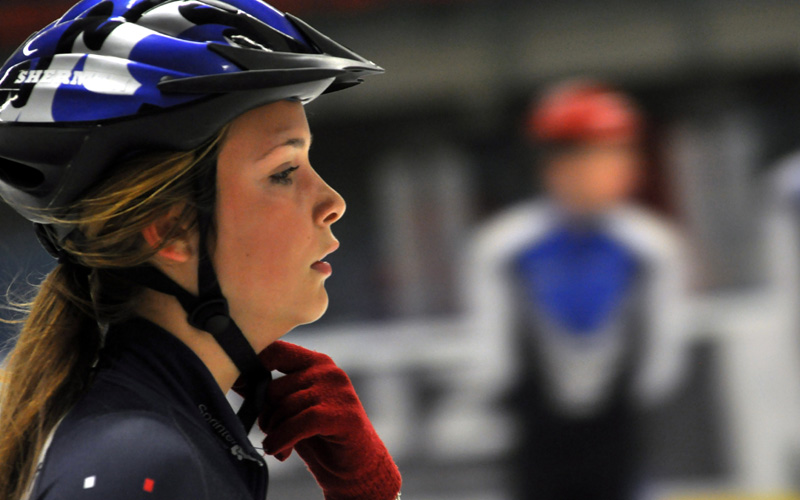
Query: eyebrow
x=295, y=142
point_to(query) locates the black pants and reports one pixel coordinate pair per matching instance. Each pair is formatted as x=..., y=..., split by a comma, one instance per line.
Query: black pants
x=563, y=458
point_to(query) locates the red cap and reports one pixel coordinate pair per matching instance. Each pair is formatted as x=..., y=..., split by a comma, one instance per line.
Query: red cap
x=583, y=111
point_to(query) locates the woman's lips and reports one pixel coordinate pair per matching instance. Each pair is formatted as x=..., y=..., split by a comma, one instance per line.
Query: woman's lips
x=322, y=267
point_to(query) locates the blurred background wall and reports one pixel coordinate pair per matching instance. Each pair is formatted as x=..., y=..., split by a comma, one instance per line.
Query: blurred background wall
x=426, y=152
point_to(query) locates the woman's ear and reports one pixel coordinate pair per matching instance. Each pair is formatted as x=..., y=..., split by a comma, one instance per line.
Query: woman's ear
x=179, y=248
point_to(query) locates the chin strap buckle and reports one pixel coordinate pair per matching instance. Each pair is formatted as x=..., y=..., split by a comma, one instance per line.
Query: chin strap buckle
x=212, y=316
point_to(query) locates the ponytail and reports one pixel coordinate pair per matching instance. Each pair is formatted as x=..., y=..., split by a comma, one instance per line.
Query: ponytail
x=47, y=370
x=51, y=363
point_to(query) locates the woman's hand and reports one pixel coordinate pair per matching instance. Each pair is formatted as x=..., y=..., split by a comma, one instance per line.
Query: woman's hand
x=315, y=410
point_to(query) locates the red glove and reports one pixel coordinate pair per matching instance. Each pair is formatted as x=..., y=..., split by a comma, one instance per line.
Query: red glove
x=315, y=410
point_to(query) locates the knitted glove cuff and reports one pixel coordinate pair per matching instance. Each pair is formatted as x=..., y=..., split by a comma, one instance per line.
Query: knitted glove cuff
x=382, y=482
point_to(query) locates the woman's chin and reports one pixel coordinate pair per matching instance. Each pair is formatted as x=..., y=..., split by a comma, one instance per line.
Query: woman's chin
x=267, y=327
x=317, y=312
x=314, y=309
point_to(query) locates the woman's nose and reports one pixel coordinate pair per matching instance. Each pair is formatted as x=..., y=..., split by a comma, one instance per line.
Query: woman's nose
x=331, y=206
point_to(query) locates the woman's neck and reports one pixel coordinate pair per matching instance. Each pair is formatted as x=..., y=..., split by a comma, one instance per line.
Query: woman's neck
x=166, y=312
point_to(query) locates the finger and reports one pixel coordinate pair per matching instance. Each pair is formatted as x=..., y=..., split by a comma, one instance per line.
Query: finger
x=287, y=434
x=282, y=387
x=332, y=417
x=289, y=358
x=327, y=378
x=281, y=456
x=290, y=406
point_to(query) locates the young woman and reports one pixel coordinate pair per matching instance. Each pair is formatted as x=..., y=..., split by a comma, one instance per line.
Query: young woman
x=161, y=149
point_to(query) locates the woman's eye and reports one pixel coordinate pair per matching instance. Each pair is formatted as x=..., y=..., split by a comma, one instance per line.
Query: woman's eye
x=284, y=177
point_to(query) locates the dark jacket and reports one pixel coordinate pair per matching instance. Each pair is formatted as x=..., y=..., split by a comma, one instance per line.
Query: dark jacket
x=153, y=425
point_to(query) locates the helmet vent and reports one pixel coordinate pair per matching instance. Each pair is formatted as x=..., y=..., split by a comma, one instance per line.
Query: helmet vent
x=20, y=176
x=247, y=43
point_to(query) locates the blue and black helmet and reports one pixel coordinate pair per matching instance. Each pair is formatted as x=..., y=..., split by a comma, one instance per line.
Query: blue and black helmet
x=112, y=77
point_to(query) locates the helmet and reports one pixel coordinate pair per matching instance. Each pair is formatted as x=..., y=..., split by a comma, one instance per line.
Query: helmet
x=112, y=77
x=583, y=111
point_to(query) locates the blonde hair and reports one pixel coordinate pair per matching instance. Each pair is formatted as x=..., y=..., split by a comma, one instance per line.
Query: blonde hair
x=50, y=366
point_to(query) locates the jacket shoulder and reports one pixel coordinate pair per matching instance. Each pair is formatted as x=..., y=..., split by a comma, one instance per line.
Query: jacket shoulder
x=506, y=232
x=121, y=455
x=650, y=236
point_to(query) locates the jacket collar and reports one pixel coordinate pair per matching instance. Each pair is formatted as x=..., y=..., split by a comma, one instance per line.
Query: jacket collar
x=161, y=362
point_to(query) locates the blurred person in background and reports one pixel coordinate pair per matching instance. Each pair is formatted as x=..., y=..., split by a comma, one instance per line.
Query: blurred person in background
x=161, y=149
x=584, y=292
x=778, y=341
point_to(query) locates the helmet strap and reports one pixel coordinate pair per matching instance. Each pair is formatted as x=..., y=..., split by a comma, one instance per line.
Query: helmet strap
x=209, y=312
